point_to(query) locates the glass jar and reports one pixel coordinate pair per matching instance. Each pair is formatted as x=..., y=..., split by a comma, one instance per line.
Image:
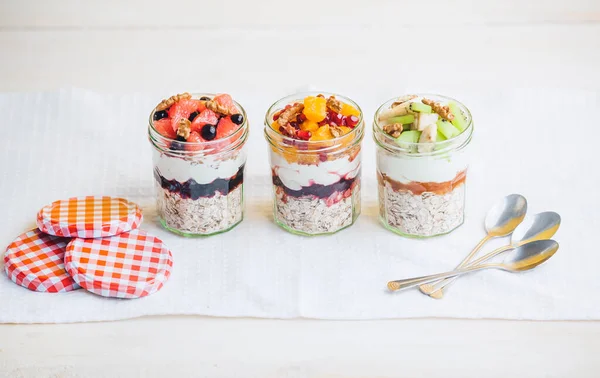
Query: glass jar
x=422, y=193
x=316, y=184
x=200, y=186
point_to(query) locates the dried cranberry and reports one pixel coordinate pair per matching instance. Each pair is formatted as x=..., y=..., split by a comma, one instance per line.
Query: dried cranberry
x=294, y=124
x=300, y=118
x=323, y=156
x=323, y=122
x=276, y=115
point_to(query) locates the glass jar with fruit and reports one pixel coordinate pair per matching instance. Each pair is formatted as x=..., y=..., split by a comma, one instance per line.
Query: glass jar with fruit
x=199, y=157
x=315, y=155
x=422, y=163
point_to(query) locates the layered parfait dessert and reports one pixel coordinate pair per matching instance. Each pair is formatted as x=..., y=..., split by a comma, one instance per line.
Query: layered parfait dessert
x=421, y=163
x=199, y=159
x=315, y=162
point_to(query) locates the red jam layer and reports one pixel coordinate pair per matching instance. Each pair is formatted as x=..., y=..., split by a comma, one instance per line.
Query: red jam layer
x=418, y=188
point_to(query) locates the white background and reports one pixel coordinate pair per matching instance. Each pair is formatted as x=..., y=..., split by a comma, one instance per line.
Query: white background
x=277, y=47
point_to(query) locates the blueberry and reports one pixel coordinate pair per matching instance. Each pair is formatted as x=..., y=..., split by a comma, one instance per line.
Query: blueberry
x=208, y=132
x=238, y=119
x=185, y=191
x=176, y=145
x=160, y=115
x=192, y=116
x=204, y=98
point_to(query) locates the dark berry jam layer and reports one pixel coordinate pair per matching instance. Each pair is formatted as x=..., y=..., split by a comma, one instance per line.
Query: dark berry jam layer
x=317, y=190
x=191, y=189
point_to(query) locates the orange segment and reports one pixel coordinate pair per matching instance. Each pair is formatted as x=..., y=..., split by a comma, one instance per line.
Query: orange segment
x=308, y=125
x=348, y=110
x=315, y=108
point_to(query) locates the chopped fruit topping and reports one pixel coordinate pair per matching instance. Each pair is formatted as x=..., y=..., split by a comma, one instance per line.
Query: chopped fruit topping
x=226, y=102
x=193, y=142
x=315, y=108
x=164, y=128
x=238, y=119
x=191, y=119
x=352, y=120
x=206, y=117
x=424, y=122
x=193, y=115
x=309, y=126
x=208, y=132
x=182, y=109
x=316, y=119
x=226, y=127
x=349, y=110
x=158, y=115
x=394, y=130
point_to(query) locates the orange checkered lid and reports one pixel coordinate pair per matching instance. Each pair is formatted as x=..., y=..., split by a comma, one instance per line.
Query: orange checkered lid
x=89, y=217
x=130, y=265
x=35, y=261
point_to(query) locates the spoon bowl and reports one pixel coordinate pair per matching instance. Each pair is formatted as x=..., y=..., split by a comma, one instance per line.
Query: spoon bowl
x=528, y=256
x=538, y=227
x=504, y=217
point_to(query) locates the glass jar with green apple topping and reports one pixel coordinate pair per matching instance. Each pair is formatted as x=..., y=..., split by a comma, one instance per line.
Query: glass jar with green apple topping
x=315, y=156
x=422, y=163
x=199, y=178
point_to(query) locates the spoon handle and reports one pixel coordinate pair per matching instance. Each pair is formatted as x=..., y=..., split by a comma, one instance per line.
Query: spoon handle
x=447, y=282
x=412, y=282
x=429, y=289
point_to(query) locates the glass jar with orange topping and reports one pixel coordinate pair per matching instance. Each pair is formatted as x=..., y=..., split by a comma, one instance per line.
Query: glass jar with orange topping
x=422, y=163
x=315, y=155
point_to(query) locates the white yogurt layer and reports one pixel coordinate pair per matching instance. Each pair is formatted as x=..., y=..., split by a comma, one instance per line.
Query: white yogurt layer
x=203, y=172
x=295, y=176
x=422, y=169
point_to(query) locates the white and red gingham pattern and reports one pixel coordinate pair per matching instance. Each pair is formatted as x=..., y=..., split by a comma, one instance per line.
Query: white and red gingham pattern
x=130, y=265
x=89, y=217
x=35, y=261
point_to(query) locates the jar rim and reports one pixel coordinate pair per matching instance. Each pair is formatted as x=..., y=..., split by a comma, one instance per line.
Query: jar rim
x=456, y=143
x=356, y=134
x=157, y=139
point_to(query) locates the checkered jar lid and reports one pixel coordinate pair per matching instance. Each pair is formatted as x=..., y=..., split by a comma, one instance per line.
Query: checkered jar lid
x=130, y=265
x=35, y=261
x=89, y=217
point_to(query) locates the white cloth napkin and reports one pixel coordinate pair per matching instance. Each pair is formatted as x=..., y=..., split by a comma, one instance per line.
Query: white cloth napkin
x=542, y=144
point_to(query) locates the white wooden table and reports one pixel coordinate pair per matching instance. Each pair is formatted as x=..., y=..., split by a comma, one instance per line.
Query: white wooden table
x=276, y=47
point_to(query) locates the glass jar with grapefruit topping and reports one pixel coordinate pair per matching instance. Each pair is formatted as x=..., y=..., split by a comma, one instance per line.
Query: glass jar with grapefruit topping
x=315, y=155
x=422, y=163
x=199, y=157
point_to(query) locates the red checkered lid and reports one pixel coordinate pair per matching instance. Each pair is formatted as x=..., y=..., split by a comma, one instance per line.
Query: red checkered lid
x=89, y=217
x=35, y=261
x=130, y=265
